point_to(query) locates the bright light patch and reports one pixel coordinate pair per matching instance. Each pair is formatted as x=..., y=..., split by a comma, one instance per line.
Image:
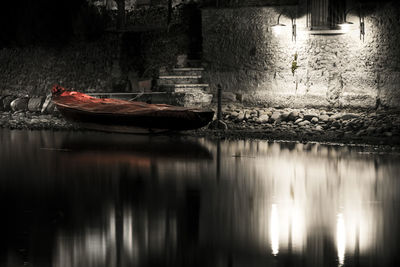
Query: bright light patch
x=297, y=228
x=346, y=26
x=278, y=29
x=274, y=230
x=340, y=238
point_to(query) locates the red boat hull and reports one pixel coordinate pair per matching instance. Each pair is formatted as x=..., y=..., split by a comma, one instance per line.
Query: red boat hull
x=125, y=116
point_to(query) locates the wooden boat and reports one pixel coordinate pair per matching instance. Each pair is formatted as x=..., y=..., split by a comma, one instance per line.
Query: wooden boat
x=117, y=115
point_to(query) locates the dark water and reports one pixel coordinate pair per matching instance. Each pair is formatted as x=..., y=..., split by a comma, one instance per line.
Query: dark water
x=95, y=199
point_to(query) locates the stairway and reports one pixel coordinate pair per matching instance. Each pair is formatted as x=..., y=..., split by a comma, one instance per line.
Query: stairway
x=185, y=83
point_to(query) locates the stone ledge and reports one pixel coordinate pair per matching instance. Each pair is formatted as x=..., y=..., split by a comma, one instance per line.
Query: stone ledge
x=188, y=69
x=180, y=77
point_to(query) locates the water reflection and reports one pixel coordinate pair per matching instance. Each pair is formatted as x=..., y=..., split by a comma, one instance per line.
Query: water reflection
x=125, y=241
x=94, y=199
x=274, y=230
x=340, y=238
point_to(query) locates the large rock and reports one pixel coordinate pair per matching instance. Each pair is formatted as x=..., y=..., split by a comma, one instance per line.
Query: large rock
x=233, y=114
x=35, y=104
x=7, y=102
x=284, y=116
x=324, y=117
x=240, y=117
x=264, y=118
x=293, y=116
x=304, y=123
x=19, y=104
x=319, y=128
x=298, y=121
x=218, y=125
x=275, y=117
x=336, y=116
x=310, y=116
x=349, y=116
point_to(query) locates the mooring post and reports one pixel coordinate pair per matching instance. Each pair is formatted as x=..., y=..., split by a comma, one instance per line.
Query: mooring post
x=218, y=160
x=219, y=110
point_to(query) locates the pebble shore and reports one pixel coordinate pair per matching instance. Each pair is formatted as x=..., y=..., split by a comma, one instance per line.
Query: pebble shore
x=34, y=121
x=374, y=126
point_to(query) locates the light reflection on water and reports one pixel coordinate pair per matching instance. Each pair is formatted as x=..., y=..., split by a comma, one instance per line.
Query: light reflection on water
x=94, y=199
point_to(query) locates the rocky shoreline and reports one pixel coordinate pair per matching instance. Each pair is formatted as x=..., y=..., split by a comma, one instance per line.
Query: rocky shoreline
x=381, y=127
x=31, y=113
x=342, y=126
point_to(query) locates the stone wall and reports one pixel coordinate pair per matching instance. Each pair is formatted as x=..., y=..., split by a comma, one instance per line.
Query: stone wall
x=254, y=61
x=34, y=70
x=113, y=62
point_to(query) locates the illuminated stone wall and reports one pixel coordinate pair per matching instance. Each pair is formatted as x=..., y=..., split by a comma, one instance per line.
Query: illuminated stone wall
x=237, y=3
x=252, y=60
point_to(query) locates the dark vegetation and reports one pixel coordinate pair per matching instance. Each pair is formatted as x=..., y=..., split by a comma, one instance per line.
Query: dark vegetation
x=43, y=22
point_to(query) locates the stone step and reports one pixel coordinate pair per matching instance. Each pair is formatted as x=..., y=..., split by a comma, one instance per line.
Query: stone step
x=194, y=99
x=184, y=87
x=187, y=71
x=170, y=80
x=191, y=99
x=188, y=90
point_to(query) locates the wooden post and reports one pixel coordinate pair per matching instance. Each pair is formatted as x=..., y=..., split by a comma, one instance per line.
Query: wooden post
x=218, y=160
x=219, y=97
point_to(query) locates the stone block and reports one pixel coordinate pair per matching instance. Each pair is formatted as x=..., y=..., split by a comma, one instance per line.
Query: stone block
x=51, y=108
x=48, y=105
x=35, y=104
x=181, y=61
x=193, y=99
x=19, y=104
